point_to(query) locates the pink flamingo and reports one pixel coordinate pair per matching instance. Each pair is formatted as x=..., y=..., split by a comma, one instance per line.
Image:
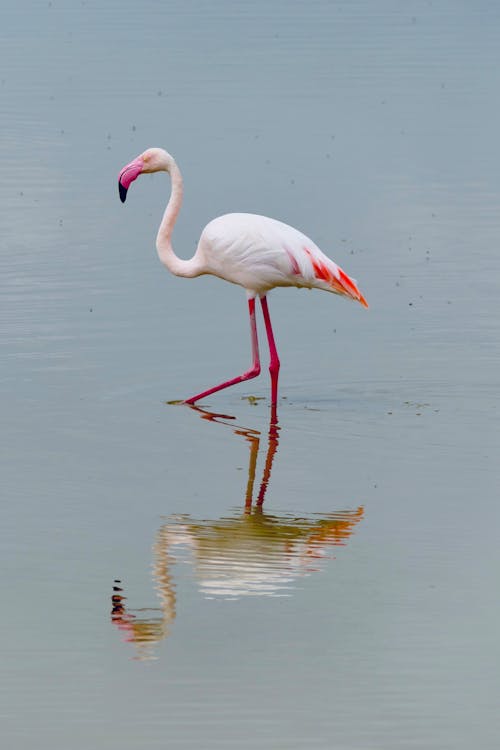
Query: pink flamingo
x=256, y=252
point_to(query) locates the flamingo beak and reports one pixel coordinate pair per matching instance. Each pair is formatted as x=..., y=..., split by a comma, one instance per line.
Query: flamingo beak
x=128, y=174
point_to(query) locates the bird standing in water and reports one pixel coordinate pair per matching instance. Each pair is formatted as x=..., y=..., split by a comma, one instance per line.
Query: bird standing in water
x=256, y=252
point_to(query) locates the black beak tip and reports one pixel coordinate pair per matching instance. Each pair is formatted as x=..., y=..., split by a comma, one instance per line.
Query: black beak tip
x=123, y=192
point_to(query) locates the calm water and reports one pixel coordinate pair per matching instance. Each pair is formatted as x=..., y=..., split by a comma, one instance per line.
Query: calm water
x=186, y=579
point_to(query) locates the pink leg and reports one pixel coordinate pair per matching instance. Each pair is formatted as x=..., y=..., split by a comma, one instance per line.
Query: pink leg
x=249, y=374
x=274, y=366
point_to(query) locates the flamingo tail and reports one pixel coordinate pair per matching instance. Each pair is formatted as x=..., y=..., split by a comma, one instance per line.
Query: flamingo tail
x=350, y=288
x=337, y=280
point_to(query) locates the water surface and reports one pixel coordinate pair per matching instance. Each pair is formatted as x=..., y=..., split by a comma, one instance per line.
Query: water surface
x=324, y=581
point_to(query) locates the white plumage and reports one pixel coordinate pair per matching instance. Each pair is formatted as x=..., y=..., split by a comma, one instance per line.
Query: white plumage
x=260, y=253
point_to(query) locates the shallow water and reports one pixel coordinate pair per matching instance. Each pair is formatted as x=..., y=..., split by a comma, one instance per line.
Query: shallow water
x=178, y=578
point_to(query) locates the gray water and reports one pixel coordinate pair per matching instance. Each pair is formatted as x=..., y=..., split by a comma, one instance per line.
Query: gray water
x=176, y=579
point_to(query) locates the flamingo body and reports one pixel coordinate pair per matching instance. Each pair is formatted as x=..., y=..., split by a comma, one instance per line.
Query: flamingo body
x=260, y=253
x=256, y=252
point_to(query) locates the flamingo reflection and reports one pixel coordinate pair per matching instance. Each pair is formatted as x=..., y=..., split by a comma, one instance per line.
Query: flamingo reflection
x=247, y=553
x=147, y=626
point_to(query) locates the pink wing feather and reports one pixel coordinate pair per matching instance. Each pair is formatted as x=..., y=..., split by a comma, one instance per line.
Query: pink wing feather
x=329, y=272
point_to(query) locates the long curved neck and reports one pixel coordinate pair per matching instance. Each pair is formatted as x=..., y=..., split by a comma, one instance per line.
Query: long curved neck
x=175, y=265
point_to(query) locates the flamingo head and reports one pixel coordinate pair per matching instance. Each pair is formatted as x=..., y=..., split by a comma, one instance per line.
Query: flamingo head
x=152, y=160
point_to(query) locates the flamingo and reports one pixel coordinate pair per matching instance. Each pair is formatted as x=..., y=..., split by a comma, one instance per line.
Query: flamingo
x=256, y=252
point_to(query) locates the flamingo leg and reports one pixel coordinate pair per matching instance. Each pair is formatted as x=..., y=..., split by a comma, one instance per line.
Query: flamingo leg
x=274, y=365
x=249, y=374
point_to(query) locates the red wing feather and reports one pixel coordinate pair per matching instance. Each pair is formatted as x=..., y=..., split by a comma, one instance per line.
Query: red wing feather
x=342, y=285
x=349, y=284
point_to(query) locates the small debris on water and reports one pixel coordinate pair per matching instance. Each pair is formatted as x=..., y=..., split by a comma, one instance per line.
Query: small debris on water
x=252, y=399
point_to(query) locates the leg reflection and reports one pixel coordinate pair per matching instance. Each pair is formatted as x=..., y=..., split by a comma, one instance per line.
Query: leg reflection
x=253, y=437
